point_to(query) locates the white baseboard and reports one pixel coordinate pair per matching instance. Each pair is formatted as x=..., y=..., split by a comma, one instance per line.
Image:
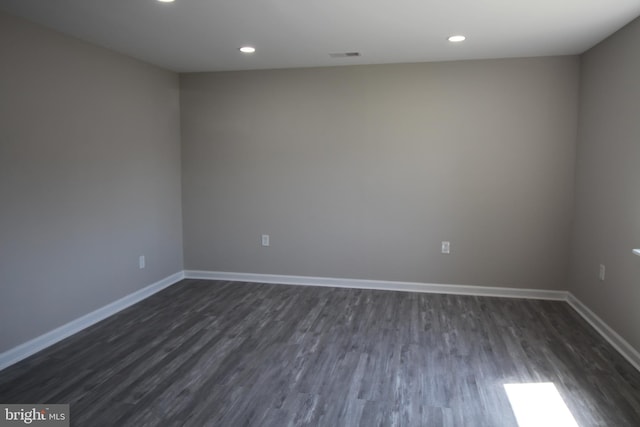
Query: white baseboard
x=619, y=343
x=28, y=348
x=25, y=350
x=489, y=291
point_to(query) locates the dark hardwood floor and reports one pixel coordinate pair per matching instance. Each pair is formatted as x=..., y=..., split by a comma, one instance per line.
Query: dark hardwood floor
x=233, y=354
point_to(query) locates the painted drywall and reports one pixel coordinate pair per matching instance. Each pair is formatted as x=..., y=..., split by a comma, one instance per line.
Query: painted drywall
x=607, y=224
x=360, y=172
x=89, y=178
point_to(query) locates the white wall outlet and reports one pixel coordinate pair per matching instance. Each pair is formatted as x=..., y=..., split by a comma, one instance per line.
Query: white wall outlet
x=446, y=247
x=265, y=240
x=141, y=262
x=602, y=271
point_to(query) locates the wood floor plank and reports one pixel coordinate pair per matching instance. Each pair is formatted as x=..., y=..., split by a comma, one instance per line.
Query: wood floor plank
x=233, y=354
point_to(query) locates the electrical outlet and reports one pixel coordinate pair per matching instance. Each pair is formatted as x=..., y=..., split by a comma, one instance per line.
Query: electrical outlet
x=141, y=262
x=602, y=271
x=265, y=240
x=446, y=247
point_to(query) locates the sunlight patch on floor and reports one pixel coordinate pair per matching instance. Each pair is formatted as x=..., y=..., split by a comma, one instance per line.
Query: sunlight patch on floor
x=539, y=405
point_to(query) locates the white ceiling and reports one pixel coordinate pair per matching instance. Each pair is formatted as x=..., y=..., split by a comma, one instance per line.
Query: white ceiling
x=203, y=35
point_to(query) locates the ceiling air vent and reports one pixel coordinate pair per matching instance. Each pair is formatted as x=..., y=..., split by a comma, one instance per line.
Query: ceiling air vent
x=344, y=54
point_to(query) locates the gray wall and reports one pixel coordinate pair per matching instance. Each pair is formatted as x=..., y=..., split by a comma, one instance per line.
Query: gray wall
x=360, y=172
x=607, y=225
x=89, y=178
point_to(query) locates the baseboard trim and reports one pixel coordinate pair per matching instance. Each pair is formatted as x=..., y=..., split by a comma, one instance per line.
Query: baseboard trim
x=620, y=344
x=37, y=344
x=31, y=347
x=489, y=291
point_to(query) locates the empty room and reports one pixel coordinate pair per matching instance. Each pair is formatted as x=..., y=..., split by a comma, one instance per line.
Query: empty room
x=292, y=213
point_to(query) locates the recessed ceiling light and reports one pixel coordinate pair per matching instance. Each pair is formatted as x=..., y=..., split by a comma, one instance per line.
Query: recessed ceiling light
x=456, y=39
x=166, y=1
x=247, y=49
